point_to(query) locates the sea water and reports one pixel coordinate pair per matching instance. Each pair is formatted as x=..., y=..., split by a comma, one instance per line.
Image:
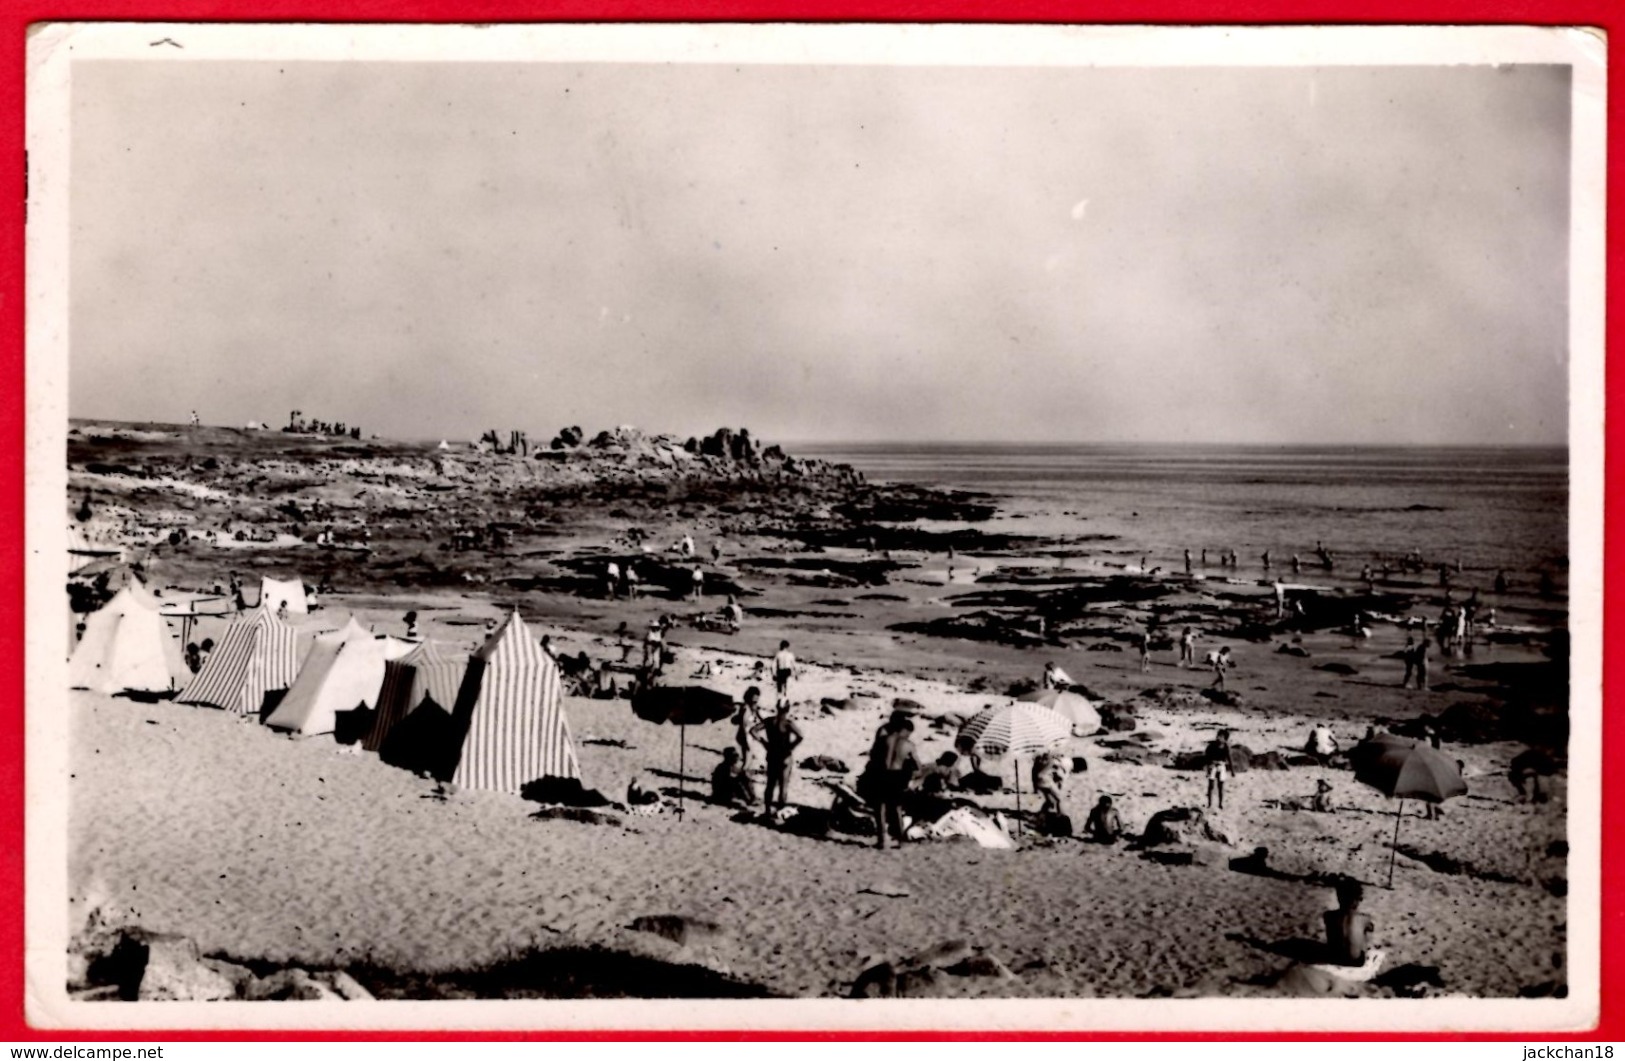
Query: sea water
x=1487, y=508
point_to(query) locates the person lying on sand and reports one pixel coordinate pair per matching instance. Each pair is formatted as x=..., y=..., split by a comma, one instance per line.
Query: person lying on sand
x=730, y=783
x=1322, y=801
x=1105, y=825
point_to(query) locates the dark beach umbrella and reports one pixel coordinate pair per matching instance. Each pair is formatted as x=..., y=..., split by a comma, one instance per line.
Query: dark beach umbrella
x=681, y=706
x=1403, y=770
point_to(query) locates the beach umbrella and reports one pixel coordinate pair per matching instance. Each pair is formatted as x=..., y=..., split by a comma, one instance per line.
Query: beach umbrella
x=1016, y=729
x=1069, y=705
x=1403, y=770
x=681, y=706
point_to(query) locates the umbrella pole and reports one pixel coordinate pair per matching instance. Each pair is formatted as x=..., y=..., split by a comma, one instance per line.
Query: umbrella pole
x=682, y=773
x=1018, y=794
x=1393, y=852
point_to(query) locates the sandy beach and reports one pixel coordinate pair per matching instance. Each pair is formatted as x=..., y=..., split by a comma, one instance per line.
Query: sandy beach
x=263, y=849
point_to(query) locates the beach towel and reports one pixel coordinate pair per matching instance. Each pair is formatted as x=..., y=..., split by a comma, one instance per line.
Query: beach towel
x=963, y=821
x=1357, y=974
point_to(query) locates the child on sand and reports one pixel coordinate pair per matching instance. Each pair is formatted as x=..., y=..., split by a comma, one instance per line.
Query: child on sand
x=1220, y=662
x=1218, y=767
x=784, y=666
x=730, y=784
x=1348, y=931
x=1104, y=826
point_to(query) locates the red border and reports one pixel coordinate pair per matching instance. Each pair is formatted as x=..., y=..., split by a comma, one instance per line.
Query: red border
x=19, y=16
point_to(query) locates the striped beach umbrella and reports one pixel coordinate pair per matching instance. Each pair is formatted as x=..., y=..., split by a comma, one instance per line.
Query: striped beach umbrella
x=1070, y=705
x=1015, y=729
x=1020, y=728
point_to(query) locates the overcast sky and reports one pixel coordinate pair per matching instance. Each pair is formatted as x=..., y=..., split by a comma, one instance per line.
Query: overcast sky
x=846, y=253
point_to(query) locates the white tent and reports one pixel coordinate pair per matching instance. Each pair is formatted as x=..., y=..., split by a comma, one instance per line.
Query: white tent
x=274, y=594
x=342, y=671
x=123, y=647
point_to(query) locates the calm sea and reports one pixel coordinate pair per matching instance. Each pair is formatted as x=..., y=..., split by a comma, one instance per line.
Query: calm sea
x=1488, y=507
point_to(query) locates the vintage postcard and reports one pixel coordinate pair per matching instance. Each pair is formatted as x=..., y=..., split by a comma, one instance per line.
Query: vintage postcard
x=774, y=526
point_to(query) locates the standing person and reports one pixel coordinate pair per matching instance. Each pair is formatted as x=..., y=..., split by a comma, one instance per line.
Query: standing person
x=1220, y=662
x=654, y=645
x=748, y=715
x=1048, y=779
x=1408, y=654
x=779, y=736
x=892, y=764
x=1187, y=647
x=784, y=667
x=1218, y=767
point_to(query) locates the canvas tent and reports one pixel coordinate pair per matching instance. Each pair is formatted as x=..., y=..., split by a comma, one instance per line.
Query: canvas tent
x=427, y=677
x=124, y=646
x=274, y=593
x=257, y=655
x=508, y=726
x=342, y=671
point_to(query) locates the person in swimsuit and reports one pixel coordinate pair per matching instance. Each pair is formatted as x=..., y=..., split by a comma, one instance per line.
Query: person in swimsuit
x=779, y=736
x=1348, y=931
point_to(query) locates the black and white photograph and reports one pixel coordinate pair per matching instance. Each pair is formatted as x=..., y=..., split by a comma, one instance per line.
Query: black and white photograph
x=790, y=526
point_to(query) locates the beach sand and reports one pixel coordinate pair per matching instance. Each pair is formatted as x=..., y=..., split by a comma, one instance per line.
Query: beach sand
x=260, y=847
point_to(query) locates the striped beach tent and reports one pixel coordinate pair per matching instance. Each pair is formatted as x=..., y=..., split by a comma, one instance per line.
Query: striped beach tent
x=124, y=647
x=428, y=672
x=257, y=654
x=510, y=715
x=342, y=672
